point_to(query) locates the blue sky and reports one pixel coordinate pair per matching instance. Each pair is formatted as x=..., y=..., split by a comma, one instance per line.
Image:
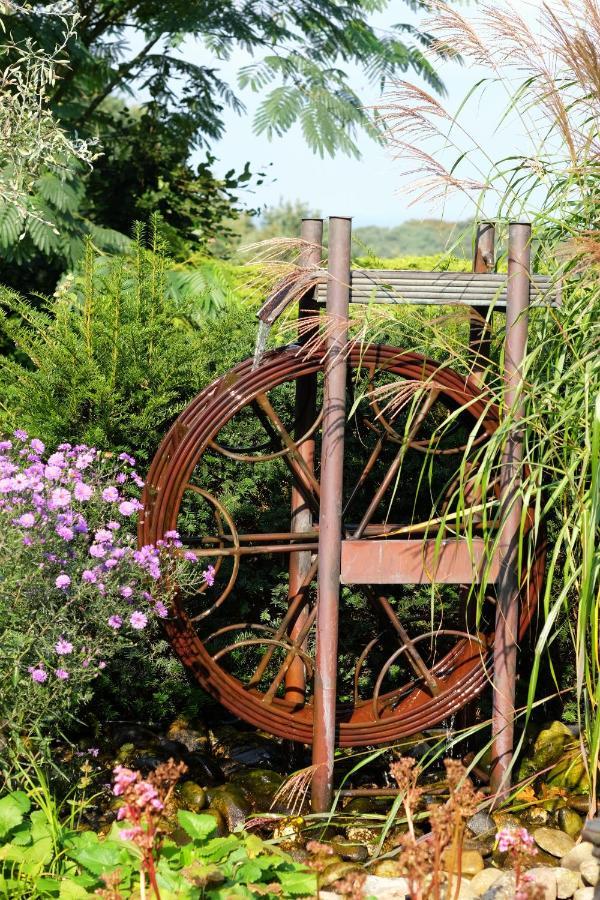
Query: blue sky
x=367, y=189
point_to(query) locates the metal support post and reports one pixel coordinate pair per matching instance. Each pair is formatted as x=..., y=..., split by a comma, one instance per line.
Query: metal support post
x=484, y=260
x=305, y=411
x=330, y=520
x=508, y=584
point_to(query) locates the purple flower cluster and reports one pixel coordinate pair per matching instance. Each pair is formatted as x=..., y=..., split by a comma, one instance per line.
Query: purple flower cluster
x=72, y=514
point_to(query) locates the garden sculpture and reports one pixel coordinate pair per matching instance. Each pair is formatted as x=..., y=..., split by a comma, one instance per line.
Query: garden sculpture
x=308, y=626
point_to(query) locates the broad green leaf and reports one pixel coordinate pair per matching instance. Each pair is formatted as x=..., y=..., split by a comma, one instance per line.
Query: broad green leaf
x=72, y=890
x=298, y=884
x=197, y=826
x=218, y=849
x=12, y=809
x=98, y=857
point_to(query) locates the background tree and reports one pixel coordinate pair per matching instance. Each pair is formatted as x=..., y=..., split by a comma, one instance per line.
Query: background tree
x=303, y=52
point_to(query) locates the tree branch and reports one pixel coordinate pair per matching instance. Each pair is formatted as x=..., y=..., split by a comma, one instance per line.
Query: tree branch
x=118, y=76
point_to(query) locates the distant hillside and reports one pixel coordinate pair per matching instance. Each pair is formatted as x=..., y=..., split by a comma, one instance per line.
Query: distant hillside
x=416, y=237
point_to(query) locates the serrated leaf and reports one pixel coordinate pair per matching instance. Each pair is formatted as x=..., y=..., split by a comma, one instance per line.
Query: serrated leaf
x=197, y=826
x=298, y=884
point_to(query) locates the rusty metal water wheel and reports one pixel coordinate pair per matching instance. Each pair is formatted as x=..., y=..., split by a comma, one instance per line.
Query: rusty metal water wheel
x=223, y=477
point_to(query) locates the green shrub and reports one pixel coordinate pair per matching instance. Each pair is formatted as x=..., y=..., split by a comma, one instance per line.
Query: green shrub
x=113, y=358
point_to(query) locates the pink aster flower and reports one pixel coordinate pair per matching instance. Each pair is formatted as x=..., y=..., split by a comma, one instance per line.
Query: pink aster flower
x=38, y=674
x=61, y=497
x=126, y=591
x=66, y=533
x=89, y=575
x=37, y=446
x=128, y=507
x=115, y=622
x=20, y=434
x=161, y=610
x=83, y=491
x=27, y=520
x=56, y=459
x=114, y=526
x=138, y=620
x=63, y=647
x=61, y=674
x=190, y=556
x=62, y=582
x=98, y=551
x=103, y=536
x=110, y=494
x=209, y=575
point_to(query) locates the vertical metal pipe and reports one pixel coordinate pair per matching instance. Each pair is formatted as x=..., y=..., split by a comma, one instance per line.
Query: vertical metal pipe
x=508, y=585
x=330, y=519
x=311, y=233
x=484, y=259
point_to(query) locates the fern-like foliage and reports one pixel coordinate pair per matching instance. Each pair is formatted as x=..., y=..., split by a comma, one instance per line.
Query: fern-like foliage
x=118, y=351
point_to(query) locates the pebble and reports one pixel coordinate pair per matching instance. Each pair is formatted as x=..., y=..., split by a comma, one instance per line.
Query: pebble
x=465, y=891
x=484, y=880
x=584, y=893
x=481, y=823
x=471, y=862
x=336, y=871
x=567, y=882
x=349, y=850
x=386, y=868
x=580, y=853
x=546, y=879
x=502, y=889
x=385, y=888
x=553, y=841
x=590, y=871
x=570, y=822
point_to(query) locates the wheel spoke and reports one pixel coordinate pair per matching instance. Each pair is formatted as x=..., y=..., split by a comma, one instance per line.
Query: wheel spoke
x=307, y=483
x=295, y=650
x=295, y=604
x=413, y=656
x=375, y=454
x=396, y=464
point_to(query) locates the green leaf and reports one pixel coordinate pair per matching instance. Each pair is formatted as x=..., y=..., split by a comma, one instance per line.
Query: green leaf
x=12, y=809
x=97, y=856
x=218, y=849
x=70, y=889
x=197, y=826
x=298, y=883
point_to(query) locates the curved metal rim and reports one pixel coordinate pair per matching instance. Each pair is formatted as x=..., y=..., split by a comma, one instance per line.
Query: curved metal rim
x=170, y=472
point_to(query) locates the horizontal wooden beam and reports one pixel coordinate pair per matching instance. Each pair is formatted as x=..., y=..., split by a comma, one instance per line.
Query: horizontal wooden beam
x=453, y=561
x=433, y=288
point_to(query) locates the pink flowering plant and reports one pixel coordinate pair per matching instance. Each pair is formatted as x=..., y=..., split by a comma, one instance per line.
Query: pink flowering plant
x=76, y=593
x=519, y=845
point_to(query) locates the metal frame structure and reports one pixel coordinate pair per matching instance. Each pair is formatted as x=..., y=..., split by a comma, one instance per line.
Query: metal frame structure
x=516, y=298
x=318, y=544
